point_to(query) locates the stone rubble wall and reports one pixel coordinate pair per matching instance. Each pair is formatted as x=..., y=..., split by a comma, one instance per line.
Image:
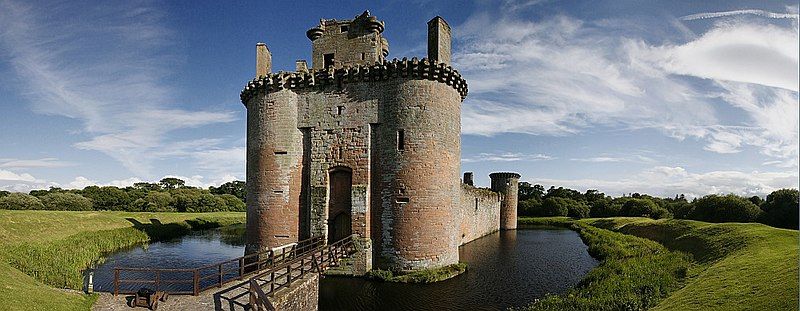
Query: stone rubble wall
x=480, y=212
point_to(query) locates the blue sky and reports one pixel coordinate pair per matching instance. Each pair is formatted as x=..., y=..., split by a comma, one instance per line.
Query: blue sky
x=621, y=96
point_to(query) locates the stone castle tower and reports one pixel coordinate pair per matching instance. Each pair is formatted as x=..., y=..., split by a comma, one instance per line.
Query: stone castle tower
x=358, y=144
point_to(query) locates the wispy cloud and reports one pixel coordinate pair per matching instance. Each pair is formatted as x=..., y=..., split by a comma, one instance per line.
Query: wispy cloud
x=739, y=12
x=611, y=159
x=107, y=66
x=563, y=76
x=506, y=157
x=33, y=163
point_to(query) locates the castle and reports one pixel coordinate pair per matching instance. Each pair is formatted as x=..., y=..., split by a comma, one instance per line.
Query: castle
x=358, y=144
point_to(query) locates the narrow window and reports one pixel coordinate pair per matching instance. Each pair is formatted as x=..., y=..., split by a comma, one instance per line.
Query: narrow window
x=327, y=60
x=281, y=152
x=341, y=152
x=339, y=110
x=402, y=200
x=401, y=140
x=363, y=56
x=476, y=204
x=345, y=28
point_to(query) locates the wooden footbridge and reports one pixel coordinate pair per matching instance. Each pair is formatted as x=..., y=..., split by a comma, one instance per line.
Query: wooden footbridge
x=268, y=271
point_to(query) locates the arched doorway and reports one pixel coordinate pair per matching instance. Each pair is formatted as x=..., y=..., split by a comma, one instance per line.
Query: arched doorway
x=340, y=203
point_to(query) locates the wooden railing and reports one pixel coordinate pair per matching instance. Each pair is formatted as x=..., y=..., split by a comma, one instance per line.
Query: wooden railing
x=173, y=281
x=265, y=284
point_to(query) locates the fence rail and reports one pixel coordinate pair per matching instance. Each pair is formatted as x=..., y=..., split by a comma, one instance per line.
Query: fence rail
x=127, y=280
x=282, y=275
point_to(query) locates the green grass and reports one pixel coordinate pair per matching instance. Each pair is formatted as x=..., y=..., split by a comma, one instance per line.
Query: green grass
x=45, y=251
x=735, y=266
x=420, y=276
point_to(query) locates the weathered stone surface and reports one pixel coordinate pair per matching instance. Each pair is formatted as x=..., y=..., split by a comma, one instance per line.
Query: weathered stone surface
x=507, y=184
x=302, y=295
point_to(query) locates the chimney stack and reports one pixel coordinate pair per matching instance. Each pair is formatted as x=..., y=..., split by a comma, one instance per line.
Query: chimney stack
x=439, y=40
x=263, y=60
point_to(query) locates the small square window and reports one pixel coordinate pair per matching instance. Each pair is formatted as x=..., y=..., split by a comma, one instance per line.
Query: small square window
x=339, y=110
x=363, y=56
x=345, y=28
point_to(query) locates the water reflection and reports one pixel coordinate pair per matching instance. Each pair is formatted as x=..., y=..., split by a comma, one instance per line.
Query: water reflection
x=506, y=269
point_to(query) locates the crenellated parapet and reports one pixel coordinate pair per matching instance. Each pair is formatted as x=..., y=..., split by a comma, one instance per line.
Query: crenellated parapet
x=414, y=68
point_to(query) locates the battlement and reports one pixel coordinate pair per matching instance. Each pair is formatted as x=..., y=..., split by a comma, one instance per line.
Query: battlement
x=406, y=68
x=504, y=175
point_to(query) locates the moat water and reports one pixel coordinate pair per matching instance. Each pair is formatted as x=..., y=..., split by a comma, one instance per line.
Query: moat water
x=506, y=269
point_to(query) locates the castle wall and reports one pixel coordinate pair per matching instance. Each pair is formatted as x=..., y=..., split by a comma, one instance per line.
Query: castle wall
x=274, y=170
x=480, y=213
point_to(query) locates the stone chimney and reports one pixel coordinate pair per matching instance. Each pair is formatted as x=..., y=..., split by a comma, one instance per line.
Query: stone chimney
x=263, y=60
x=439, y=40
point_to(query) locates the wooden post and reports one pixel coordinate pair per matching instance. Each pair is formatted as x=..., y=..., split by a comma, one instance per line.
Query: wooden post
x=196, y=283
x=158, y=279
x=220, y=276
x=116, y=281
x=241, y=268
x=272, y=282
x=288, y=274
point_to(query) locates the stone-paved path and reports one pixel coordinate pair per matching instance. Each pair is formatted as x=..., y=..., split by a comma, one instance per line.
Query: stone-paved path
x=235, y=297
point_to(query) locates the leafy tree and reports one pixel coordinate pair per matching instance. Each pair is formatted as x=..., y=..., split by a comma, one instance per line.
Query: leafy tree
x=757, y=200
x=526, y=191
x=727, y=208
x=4, y=193
x=593, y=195
x=554, y=206
x=171, y=183
x=155, y=201
x=605, y=207
x=781, y=208
x=107, y=198
x=185, y=199
x=20, y=201
x=147, y=186
x=643, y=207
x=562, y=192
x=233, y=203
x=207, y=203
x=236, y=188
x=529, y=207
x=65, y=201
x=577, y=209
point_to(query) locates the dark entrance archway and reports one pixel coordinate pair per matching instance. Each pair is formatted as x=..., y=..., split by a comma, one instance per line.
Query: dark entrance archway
x=340, y=203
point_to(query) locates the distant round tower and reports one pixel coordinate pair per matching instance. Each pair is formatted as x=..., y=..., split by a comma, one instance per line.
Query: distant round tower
x=508, y=184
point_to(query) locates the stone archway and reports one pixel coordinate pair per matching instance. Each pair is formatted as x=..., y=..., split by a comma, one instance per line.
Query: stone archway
x=340, y=203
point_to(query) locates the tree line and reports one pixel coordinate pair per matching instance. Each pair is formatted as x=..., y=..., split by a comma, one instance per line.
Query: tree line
x=167, y=195
x=779, y=209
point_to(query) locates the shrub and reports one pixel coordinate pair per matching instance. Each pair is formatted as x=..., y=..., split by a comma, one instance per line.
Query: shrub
x=529, y=207
x=728, y=208
x=65, y=201
x=781, y=208
x=20, y=201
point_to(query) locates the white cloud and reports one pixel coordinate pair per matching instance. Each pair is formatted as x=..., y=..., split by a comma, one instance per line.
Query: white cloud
x=80, y=182
x=33, y=163
x=11, y=176
x=506, y=157
x=107, y=67
x=669, y=181
x=739, y=12
x=563, y=76
x=741, y=52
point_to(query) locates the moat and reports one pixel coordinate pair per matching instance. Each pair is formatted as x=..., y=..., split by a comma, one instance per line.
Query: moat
x=506, y=269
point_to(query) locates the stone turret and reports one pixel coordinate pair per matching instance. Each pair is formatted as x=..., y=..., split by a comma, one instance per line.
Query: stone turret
x=508, y=184
x=468, y=179
x=349, y=42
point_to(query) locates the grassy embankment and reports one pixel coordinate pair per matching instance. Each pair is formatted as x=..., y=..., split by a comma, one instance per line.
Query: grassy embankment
x=44, y=252
x=420, y=276
x=732, y=266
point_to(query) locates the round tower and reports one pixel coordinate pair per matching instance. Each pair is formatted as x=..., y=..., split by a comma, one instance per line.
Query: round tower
x=507, y=183
x=274, y=170
x=420, y=149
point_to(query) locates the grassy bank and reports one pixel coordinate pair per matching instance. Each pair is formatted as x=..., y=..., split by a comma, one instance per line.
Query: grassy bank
x=45, y=250
x=420, y=276
x=734, y=266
